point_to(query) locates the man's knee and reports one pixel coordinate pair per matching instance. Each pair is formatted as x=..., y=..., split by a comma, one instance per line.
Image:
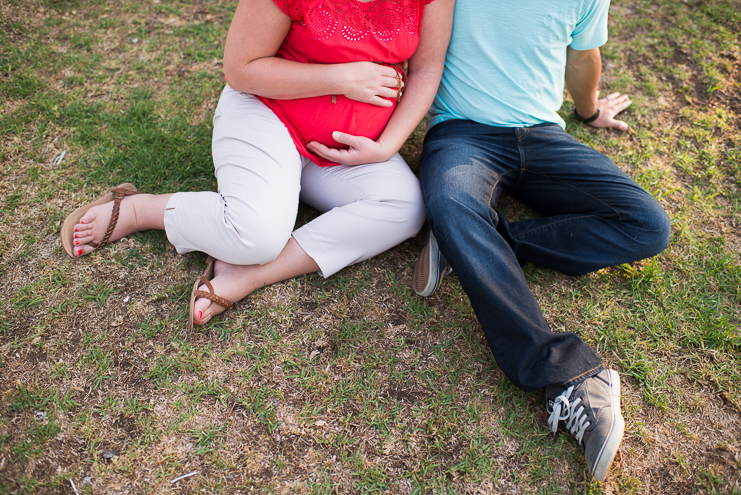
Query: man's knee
x=659, y=229
x=653, y=227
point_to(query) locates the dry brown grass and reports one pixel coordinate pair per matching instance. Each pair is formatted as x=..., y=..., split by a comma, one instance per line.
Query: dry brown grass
x=351, y=384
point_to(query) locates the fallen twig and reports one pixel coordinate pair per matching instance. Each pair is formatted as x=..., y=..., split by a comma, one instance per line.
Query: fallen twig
x=184, y=476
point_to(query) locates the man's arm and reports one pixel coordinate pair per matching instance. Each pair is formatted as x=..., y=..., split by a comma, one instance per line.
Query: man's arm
x=583, y=70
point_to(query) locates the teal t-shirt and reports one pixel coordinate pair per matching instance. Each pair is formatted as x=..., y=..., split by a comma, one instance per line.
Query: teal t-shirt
x=506, y=61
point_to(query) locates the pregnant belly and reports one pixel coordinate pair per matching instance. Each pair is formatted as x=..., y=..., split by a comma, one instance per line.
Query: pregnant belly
x=314, y=119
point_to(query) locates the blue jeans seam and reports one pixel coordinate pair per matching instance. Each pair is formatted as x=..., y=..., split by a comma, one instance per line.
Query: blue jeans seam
x=494, y=186
x=521, y=134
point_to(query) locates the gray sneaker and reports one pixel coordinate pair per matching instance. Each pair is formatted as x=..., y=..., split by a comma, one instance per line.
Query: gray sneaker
x=590, y=410
x=430, y=269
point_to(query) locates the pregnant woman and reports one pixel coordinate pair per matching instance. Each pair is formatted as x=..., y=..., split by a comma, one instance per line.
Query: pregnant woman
x=312, y=110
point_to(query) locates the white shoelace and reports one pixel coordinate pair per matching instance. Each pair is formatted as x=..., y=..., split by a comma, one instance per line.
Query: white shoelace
x=573, y=415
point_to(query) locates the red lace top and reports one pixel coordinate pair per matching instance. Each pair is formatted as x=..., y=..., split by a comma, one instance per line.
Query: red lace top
x=336, y=31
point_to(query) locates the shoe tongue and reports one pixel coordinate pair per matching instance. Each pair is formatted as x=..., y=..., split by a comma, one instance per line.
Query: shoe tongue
x=552, y=392
x=550, y=396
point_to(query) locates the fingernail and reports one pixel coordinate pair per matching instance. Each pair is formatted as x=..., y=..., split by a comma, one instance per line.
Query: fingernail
x=77, y=242
x=200, y=315
x=75, y=229
x=82, y=221
x=75, y=236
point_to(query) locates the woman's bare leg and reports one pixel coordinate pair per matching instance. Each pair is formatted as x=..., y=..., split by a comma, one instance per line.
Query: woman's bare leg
x=235, y=282
x=138, y=212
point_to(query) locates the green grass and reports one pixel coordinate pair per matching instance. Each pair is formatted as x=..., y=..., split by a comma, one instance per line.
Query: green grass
x=351, y=384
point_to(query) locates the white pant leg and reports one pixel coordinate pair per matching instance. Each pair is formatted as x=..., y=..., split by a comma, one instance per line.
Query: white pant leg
x=250, y=219
x=369, y=209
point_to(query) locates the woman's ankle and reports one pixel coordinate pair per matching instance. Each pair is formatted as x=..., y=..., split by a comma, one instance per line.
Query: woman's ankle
x=149, y=211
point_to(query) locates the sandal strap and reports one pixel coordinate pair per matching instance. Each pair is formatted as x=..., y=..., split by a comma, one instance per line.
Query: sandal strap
x=211, y=296
x=118, y=195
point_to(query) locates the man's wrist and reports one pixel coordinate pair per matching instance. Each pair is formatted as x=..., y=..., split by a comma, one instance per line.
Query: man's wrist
x=587, y=120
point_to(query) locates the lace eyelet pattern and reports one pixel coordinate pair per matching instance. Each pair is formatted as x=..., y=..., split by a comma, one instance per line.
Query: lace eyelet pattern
x=355, y=21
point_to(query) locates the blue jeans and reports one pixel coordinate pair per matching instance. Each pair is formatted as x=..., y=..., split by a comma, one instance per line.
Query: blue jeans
x=593, y=216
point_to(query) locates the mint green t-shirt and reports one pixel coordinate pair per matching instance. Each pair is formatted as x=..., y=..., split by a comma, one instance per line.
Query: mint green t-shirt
x=506, y=61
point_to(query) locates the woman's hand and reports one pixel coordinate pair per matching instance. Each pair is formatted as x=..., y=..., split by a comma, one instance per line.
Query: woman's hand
x=361, y=150
x=368, y=82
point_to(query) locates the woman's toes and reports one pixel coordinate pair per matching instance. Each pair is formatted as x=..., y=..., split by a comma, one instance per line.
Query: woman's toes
x=82, y=250
x=86, y=223
x=80, y=238
x=229, y=282
x=87, y=220
x=203, y=309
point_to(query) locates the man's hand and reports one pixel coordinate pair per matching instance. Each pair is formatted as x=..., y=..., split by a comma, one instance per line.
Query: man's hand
x=583, y=70
x=610, y=106
x=361, y=150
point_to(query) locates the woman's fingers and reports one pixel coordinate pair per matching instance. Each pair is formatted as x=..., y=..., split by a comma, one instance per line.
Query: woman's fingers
x=360, y=150
x=389, y=88
x=348, y=139
x=368, y=82
x=379, y=102
x=393, y=81
x=387, y=92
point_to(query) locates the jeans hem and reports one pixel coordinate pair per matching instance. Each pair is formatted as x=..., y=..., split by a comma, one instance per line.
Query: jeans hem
x=584, y=376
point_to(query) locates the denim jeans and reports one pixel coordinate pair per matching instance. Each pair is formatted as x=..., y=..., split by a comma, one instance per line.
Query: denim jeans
x=592, y=216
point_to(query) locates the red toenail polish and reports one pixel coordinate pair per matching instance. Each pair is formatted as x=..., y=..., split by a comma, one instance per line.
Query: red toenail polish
x=75, y=229
x=77, y=242
x=200, y=315
x=75, y=236
x=79, y=253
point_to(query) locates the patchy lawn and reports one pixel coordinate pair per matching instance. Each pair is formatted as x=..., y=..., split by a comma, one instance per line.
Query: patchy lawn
x=351, y=384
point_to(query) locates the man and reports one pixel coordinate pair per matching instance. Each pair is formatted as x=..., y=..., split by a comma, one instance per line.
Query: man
x=494, y=128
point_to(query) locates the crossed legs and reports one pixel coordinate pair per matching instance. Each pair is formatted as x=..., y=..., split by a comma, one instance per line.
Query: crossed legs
x=248, y=225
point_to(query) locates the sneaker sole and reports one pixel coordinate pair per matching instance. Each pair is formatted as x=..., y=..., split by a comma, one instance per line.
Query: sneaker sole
x=425, y=280
x=615, y=436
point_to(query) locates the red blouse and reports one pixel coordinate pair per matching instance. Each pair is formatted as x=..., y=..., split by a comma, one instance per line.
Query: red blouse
x=337, y=31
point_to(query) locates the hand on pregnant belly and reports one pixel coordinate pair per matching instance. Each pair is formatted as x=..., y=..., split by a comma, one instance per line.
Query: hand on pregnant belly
x=359, y=150
x=371, y=83
x=357, y=125
x=358, y=115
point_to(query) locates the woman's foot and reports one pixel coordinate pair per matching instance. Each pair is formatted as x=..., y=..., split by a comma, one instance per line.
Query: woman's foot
x=136, y=212
x=235, y=282
x=92, y=227
x=231, y=282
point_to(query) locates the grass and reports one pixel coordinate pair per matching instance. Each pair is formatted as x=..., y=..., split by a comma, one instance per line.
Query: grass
x=351, y=384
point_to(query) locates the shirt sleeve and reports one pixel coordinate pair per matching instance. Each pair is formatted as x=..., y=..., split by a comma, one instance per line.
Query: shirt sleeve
x=591, y=29
x=292, y=8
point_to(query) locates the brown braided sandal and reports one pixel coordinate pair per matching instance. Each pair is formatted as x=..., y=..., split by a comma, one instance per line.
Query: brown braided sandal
x=206, y=280
x=116, y=195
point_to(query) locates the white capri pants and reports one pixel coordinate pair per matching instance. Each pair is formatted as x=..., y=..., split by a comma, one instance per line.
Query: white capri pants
x=261, y=177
